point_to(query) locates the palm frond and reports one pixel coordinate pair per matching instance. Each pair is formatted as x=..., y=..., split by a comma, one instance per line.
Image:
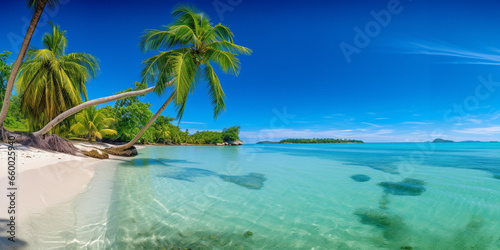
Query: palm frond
x=154, y=39
x=221, y=32
x=229, y=47
x=33, y=4
x=227, y=61
x=195, y=44
x=215, y=91
x=55, y=41
x=188, y=15
x=50, y=82
x=184, y=71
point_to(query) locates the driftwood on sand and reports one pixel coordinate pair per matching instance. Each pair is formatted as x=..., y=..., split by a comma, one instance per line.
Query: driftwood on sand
x=132, y=151
x=51, y=142
x=55, y=143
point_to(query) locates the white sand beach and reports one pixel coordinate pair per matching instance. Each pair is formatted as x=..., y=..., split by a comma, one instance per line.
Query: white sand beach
x=44, y=180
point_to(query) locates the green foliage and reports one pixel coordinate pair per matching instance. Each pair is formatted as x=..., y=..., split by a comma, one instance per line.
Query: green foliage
x=195, y=45
x=32, y=4
x=131, y=118
x=5, y=69
x=92, y=124
x=50, y=82
x=231, y=134
x=121, y=122
x=207, y=137
x=15, y=119
x=130, y=100
x=317, y=140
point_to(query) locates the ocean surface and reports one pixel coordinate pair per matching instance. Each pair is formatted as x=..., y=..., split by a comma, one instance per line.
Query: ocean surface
x=291, y=196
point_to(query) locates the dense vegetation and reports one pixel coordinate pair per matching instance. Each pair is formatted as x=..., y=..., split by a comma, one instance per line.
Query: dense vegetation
x=52, y=96
x=120, y=123
x=51, y=81
x=4, y=72
x=320, y=140
x=15, y=120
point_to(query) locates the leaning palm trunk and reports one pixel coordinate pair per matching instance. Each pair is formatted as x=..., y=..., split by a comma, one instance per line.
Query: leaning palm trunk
x=150, y=122
x=26, y=42
x=98, y=101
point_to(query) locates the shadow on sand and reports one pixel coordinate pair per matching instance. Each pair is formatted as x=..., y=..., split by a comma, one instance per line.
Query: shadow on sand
x=5, y=243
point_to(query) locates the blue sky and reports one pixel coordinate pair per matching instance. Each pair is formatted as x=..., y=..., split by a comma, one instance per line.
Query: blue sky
x=378, y=71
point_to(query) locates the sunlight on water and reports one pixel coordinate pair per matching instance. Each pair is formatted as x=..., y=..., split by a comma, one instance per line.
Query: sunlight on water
x=359, y=196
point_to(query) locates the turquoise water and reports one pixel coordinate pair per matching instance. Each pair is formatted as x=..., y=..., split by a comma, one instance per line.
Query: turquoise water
x=301, y=196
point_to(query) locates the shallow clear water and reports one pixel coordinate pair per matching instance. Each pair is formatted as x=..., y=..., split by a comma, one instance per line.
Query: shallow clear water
x=424, y=196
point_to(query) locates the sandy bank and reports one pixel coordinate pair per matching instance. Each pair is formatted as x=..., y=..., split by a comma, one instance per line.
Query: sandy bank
x=43, y=180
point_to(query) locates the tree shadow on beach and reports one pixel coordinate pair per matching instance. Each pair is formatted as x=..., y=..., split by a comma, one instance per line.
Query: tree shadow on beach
x=5, y=243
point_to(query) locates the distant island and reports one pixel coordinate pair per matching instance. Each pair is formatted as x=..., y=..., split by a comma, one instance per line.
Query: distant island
x=317, y=140
x=439, y=140
x=268, y=142
x=314, y=140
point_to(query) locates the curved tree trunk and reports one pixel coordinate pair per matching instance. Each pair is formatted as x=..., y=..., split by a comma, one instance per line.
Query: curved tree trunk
x=143, y=129
x=97, y=101
x=20, y=58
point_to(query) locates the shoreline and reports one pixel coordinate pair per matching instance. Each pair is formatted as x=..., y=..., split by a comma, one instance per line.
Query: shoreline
x=44, y=180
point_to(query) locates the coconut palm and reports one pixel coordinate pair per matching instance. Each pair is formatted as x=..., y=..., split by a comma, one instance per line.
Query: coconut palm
x=121, y=95
x=38, y=6
x=50, y=81
x=93, y=124
x=195, y=46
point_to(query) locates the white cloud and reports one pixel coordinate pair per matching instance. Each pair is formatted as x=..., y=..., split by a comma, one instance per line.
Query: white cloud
x=372, y=124
x=384, y=131
x=417, y=123
x=381, y=118
x=332, y=116
x=480, y=131
x=461, y=56
x=475, y=121
x=495, y=116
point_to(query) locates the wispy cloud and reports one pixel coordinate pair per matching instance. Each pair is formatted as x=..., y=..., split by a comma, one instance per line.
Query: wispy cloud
x=480, y=131
x=475, y=121
x=381, y=118
x=332, y=116
x=384, y=132
x=372, y=124
x=459, y=55
x=495, y=116
x=417, y=123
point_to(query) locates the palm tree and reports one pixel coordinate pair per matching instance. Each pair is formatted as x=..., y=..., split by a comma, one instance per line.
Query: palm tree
x=50, y=81
x=93, y=124
x=38, y=6
x=195, y=45
x=90, y=103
